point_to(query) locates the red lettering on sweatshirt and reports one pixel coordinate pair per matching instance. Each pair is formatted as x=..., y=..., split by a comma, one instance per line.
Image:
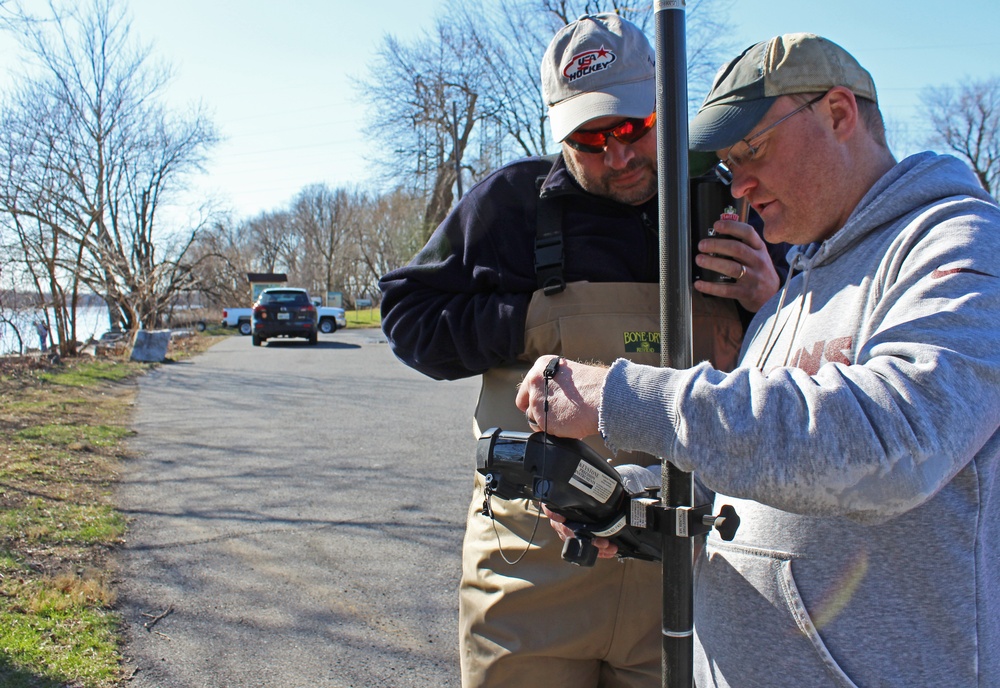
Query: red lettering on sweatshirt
x=810, y=361
x=812, y=357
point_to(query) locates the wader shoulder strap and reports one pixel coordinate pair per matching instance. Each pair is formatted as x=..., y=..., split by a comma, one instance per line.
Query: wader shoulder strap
x=549, y=243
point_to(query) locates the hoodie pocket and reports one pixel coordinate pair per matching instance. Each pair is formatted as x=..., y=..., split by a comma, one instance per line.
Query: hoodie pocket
x=753, y=625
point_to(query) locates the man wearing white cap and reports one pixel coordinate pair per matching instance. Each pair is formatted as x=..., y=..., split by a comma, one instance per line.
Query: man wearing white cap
x=561, y=256
x=859, y=439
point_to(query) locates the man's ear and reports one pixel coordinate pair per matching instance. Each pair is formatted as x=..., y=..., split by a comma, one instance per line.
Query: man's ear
x=843, y=108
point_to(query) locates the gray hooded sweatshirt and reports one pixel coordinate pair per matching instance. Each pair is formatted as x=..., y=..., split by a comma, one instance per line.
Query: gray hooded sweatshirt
x=859, y=443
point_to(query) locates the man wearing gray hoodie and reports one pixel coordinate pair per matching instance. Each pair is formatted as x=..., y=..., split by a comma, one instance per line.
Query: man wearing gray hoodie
x=858, y=439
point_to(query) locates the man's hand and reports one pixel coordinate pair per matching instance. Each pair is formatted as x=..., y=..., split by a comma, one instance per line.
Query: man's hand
x=574, y=398
x=747, y=260
x=605, y=549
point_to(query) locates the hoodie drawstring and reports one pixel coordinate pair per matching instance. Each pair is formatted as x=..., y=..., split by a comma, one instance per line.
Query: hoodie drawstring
x=774, y=331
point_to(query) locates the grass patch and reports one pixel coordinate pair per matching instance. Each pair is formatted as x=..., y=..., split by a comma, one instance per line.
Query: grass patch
x=62, y=438
x=217, y=330
x=43, y=405
x=367, y=317
x=92, y=435
x=66, y=635
x=41, y=521
x=87, y=374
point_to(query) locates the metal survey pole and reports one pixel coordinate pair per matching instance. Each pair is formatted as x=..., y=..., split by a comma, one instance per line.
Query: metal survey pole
x=675, y=323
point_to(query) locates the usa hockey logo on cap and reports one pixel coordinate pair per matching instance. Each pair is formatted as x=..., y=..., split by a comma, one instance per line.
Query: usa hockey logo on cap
x=587, y=63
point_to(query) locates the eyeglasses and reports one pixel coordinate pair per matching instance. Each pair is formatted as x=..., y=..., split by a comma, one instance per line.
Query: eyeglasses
x=629, y=131
x=734, y=158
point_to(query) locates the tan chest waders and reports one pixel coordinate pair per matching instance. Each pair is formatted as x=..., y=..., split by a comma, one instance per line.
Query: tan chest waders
x=563, y=622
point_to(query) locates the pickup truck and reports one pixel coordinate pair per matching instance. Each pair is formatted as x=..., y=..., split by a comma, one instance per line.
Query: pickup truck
x=238, y=317
x=330, y=319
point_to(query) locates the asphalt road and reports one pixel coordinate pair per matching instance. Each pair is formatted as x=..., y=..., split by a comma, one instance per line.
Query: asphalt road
x=298, y=511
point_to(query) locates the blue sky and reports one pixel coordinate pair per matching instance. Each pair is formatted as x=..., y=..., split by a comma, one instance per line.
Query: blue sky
x=275, y=76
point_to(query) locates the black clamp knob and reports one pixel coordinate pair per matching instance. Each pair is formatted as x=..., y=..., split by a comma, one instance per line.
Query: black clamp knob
x=726, y=522
x=686, y=521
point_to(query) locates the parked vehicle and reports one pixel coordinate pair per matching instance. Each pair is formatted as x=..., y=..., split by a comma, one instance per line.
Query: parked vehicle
x=331, y=318
x=284, y=312
x=185, y=317
x=238, y=317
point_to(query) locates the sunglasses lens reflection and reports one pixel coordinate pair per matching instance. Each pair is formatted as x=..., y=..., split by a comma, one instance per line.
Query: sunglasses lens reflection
x=629, y=131
x=590, y=138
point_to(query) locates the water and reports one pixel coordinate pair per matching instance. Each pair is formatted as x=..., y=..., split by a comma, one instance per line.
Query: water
x=91, y=321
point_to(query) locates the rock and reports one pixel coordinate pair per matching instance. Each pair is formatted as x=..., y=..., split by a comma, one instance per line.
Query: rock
x=150, y=346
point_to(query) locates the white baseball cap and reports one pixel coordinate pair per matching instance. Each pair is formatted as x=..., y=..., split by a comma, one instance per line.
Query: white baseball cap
x=598, y=66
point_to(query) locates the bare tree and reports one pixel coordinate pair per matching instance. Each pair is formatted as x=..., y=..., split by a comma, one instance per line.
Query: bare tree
x=328, y=220
x=275, y=243
x=389, y=236
x=424, y=103
x=224, y=253
x=326, y=240
x=14, y=312
x=92, y=157
x=966, y=121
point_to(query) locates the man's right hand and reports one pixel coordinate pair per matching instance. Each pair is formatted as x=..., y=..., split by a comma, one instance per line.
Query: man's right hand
x=605, y=549
x=573, y=398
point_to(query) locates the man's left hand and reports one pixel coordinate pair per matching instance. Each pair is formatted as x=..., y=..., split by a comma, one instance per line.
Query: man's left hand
x=746, y=260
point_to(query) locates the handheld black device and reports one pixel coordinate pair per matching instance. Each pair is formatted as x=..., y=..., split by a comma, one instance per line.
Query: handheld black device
x=572, y=480
x=710, y=200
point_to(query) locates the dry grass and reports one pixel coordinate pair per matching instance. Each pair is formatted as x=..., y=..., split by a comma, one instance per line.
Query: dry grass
x=63, y=430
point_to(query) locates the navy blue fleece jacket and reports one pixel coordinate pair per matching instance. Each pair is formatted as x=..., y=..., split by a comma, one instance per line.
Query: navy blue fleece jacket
x=459, y=307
